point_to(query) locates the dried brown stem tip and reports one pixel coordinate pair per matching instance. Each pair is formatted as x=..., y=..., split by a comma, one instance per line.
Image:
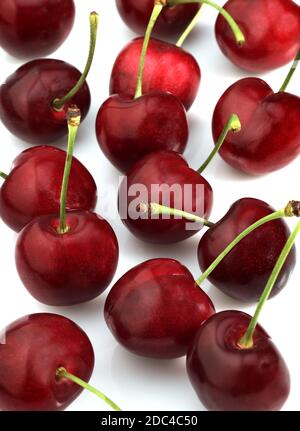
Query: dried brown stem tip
x=73, y=116
x=293, y=209
x=160, y=2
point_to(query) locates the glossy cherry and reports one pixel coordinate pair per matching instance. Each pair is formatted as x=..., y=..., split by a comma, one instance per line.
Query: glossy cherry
x=168, y=68
x=163, y=177
x=35, y=347
x=271, y=29
x=33, y=186
x=228, y=377
x=155, y=309
x=35, y=28
x=244, y=272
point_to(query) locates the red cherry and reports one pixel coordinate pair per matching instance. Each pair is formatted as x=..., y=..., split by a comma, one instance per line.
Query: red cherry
x=35, y=28
x=167, y=68
x=155, y=309
x=228, y=377
x=35, y=347
x=271, y=29
x=33, y=186
x=127, y=129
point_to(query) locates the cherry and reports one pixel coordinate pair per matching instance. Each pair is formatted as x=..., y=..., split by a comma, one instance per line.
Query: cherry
x=35, y=29
x=155, y=309
x=33, y=186
x=271, y=29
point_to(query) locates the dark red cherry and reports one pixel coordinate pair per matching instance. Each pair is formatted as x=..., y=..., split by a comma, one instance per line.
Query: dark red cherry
x=33, y=186
x=35, y=347
x=35, y=28
x=163, y=177
x=271, y=29
x=68, y=268
x=244, y=272
x=227, y=377
x=155, y=309
x=167, y=68
x=26, y=100
x=172, y=20
x=128, y=129
x=268, y=120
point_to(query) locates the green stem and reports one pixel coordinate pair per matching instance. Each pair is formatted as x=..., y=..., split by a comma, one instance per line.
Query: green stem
x=63, y=373
x=58, y=104
x=291, y=73
x=73, y=118
x=158, y=6
x=246, y=341
x=233, y=25
x=3, y=175
x=232, y=125
x=189, y=29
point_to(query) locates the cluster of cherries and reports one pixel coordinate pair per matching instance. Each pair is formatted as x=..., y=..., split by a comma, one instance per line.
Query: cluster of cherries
x=66, y=254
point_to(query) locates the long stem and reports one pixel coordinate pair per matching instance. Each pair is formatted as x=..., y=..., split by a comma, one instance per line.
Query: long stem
x=232, y=125
x=63, y=373
x=246, y=341
x=291, y=73
x=3, y=175
x=59, y=103
x=158, y=6
x=233, y=25
x=189, y=28
x=73, y=119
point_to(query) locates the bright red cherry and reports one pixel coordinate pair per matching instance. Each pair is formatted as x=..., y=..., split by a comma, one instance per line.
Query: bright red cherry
x=228, y=377
x=271, y=29
x=35, y=28
x=155, y=309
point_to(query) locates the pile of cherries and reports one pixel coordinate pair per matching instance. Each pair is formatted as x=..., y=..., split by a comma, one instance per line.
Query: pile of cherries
x=66, y=254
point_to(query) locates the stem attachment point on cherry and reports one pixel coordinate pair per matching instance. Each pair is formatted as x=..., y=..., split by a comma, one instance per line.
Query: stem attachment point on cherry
x=189, y=29
x=3, y=175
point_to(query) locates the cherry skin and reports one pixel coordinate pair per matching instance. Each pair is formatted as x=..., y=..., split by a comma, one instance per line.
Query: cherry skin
x=35, y=29
x=70, y=268
x=244, y=272
x=268, y=119
x=167, y=68
x=35, y=346
x=271, y=29
x=33, y=186
x=128, y=129
x=227, y=377
x=27, y=96
x=171, y=22
x=163, y=169
x=155, y=309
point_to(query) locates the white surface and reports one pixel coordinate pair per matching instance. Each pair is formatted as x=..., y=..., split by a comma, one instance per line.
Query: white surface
x=132, y=382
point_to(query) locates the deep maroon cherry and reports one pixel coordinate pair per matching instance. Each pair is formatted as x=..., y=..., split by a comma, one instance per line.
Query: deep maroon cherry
x=33, y=186
x=35, y=347
x=35, y=28
x=228, y=377
x=168, y=68
x=128, y=129
x=244, y=272
x=271, y=29
x=155, y=309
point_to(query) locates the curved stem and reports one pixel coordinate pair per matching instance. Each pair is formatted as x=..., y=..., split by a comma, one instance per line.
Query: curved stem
x=3, y=175
x=246, y=341
x=59, y=103
x=240, y=39
x=158, y=6
x=232, y=125
x=291, y=72
x=63, y=373
x=189, y=29
x=73, y=118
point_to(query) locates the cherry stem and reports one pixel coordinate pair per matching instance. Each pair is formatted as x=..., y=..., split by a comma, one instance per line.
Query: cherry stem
x=58, y=104
x=232, y=125
x=292, y=209
x=246, y=342
x=73, y=119
x=240, y=38
x=3, y=175
x=157, y=209
x=158, y=6
x=291, y=73
x=63, y=373
x=189, y=29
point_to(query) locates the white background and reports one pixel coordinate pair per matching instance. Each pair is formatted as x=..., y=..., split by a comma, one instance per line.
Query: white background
x=132, y=382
